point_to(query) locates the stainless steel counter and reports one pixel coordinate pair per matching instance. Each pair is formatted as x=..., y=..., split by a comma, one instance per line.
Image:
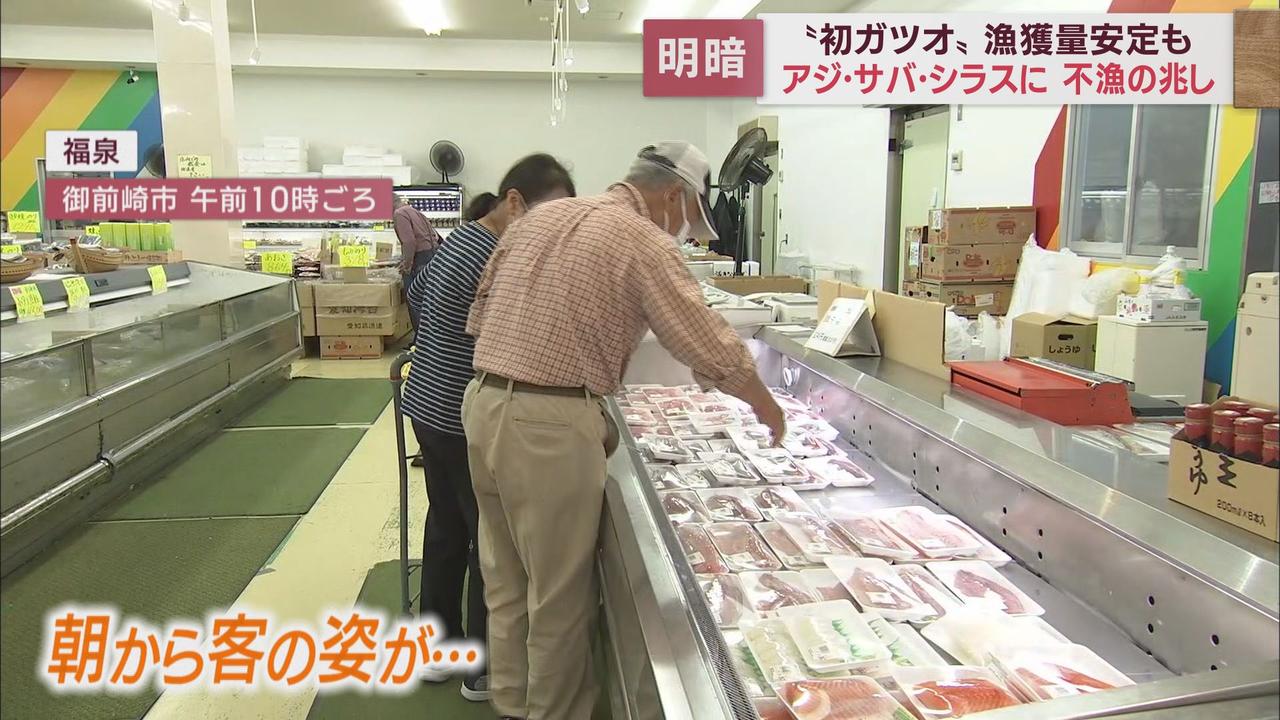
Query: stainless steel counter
x=1183, y=604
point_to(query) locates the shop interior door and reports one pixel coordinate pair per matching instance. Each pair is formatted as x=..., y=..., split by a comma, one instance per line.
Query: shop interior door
x=924, y=169
x=768, y=231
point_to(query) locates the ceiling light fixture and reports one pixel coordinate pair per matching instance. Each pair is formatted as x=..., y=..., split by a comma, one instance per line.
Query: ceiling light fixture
x=561, y=58
x=732, y=9
x=428, y=15
x=184, y=12
x=256, y=55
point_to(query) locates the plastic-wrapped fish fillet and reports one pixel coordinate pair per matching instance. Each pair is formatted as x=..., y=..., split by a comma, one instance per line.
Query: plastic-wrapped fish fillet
x=741, y=547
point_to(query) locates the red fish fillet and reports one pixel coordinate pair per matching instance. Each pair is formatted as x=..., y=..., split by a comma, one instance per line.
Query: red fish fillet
x=728, y=506
x=868, y=584
x=918, y=587
x=680, y=509
x=1067, y=676
x=954, y=698
x=787, y=594
x=976, y=586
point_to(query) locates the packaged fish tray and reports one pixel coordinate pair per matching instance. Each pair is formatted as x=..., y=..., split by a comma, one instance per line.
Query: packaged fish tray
x=742, y=547
x=683, y=506
x=656, y=393
x=721, y=445
x=818, y=427
x=838, y=470
x=784, y=547
x=970, y=635
x=730, y=504
x=771, y=708
x=855, y=698
x=931, y=592
x=699, y=447
x=701, y=398
x=685, y=431
x=907, y=648
x=977, y=584
x=777, y=466
x=953, y=691
x=639, y=416
x=633, y=399
x=714, y=423
x=768, y=591
x=1039, y=672
x=750, y=438
x=665, y=477
x=825, y=584
x=875, y=586
x=871, y=536
x=668, y=448
x=988, y=552
x=730, y=469
x=699, y=551
x=808, y=445
x=928, y=532
x=815, y=537
x=773, y=651
x=676, y=408
x=725, y=598
x=773, y=499
x=753, y=679
x=694, y=475
x=833, y=636
x=717, y=405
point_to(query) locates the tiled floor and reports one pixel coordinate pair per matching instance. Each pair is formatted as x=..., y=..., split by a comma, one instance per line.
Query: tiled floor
x=320, y=566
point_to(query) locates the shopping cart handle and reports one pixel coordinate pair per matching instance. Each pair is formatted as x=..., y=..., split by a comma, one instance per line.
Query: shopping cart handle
x=397, y=365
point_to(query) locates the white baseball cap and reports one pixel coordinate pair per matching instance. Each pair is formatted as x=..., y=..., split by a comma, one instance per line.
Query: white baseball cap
x=688, y=163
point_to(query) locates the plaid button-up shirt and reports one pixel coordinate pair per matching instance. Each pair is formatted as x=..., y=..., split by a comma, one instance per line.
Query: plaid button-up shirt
x=574, y=285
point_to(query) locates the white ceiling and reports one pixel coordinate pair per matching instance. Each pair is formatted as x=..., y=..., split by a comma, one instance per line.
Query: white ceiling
x=491, y=19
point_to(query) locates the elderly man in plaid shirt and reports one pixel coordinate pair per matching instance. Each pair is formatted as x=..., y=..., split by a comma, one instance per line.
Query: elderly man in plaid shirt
x=568, y=295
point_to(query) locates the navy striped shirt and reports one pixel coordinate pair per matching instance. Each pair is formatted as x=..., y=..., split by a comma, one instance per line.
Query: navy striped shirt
x=443, y=352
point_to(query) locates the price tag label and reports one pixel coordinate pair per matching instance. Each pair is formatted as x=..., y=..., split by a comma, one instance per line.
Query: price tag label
x=379, y=226
x=250, y=244
x=356, y=256
x=277, y=263
x=24, y=221
x=159, y=281
x=10, y=249
x=92, y=231
x=27, y=301
x=77, y=294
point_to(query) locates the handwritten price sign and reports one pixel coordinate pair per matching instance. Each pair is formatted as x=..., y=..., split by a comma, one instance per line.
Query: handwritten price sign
x=277, y=263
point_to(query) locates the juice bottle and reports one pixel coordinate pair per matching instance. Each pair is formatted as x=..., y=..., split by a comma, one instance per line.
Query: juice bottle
x=1196, y=428
x=1248, y=439
x=1222, y=436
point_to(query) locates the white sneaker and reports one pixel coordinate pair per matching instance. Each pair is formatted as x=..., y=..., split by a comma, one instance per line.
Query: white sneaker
x=434, y=675
x=476, y=690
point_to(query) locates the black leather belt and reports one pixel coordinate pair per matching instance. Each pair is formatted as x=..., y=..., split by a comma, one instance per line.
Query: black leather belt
x=497, y=381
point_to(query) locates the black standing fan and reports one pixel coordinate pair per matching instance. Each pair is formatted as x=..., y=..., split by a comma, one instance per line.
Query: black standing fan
x=743, y=167
x=447, y=159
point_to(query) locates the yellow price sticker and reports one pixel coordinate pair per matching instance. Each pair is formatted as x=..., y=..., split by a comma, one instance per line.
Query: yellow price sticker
x=24, y=221
x=356, y=256
x=27, y=302
x=378, y=227
x=77, y=294
x=10, y=249
x=277, y=263
x=250, y=244
x=159, y=281
x=92, y=231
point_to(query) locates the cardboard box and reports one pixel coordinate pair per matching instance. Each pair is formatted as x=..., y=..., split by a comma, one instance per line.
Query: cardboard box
x=305, y=291
x=151, y=257
x=350, y=348
x=967, y=299
x=362, y=324
x=1244, y=494
x=911, y=252
x=747, y=285
x=948, y=263
x=910, y=331
x=981, y=226
x=307, y=319
x=374, y=293
x=1150, y=309
x=383, y=251
x=917, y=233
x=1065, y=338
x=404, y=324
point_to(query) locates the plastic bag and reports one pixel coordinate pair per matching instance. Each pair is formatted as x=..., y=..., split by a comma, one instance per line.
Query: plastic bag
x=957, y=340
x=1098, y=292
x=1046, y=282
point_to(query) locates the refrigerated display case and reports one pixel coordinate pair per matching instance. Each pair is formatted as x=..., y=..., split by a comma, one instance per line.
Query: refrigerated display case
x=96, y=400
x=1181, y=603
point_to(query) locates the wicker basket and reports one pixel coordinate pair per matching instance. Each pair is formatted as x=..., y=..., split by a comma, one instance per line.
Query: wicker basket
x=12, y=272
x=94, y=259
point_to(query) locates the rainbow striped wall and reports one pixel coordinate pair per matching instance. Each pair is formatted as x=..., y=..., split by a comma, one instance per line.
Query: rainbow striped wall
x=1219, y=283
x=40, y=99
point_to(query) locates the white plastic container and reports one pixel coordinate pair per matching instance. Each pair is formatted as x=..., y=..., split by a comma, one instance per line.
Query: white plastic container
x=813, y=535
x=977, y=584
x=871, y=536
x=773, y=499
x=729, y=505
x=1039, y=672
x=838, y=470
x=768, y=591
x=855, y=698
x=725, y=598
x=785, y=548
x=953, y=691
x=695, y=475
x=683, y=506
x=833, y=636
x=926, y=586
x=988, y=552
x=969, y=635
x=742, y=547
x=928, y=532
x=876, y=587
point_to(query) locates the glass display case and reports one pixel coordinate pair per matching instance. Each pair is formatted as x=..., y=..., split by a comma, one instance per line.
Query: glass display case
x=1183, y=606
x=87, y=395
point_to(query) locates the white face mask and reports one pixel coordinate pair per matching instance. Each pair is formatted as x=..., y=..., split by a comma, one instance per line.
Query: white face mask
x=685, y=228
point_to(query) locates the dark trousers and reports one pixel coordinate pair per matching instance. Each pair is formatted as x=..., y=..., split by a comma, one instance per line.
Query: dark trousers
x=450, y=550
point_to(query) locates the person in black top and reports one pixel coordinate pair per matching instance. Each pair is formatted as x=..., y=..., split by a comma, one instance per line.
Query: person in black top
x=432, y=398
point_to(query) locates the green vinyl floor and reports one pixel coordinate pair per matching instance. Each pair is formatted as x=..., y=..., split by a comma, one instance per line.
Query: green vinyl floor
x=315, y=401
x=443, y=701
x=152, y=571
x=251, y=472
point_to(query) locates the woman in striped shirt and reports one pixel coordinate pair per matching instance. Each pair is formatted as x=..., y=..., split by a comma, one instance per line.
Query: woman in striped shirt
x=442, y=367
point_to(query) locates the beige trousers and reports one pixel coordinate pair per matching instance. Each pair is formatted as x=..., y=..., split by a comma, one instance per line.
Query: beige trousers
x=538, y=469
